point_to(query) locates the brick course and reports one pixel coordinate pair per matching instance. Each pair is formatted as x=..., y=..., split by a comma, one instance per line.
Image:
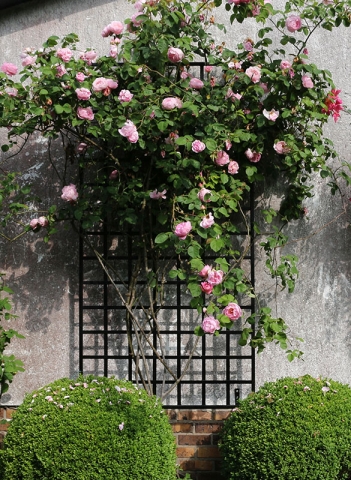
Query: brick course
x=196, y=434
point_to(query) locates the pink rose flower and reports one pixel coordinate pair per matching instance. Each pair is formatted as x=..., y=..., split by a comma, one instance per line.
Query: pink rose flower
x=307, y=81
x=81, y=147
x=69, y=193
x=228, y=144
x=60, y=70
x=28, y=60
x=89, y=56
x=113, y=51
x=113, y=175
x=102, y=84
x=281, y=147
x=232, y=311
x=196, y=84
x=129, y=131
x=207, y=221
x=125, y=96
x=43, y=221
x=210, y=325
x=182, y=230
x=11, y=91
x=80, y=77
x=113, y=28
x=271, y=115
x=264, y=87
x=285, y=64
x=85, y=113
x=203, y=193
x=9, y=69
x=215, y=277
x=197, y=146
x=34, y=223
x=233, y=96
x=208, y=68
x=169, y=103
x=83, y=93
x=184, y=75
x=136, y=23
x=175, y=55
x=65, y=54
x=293, y=23
x=206, y=287
x=205, y=271
x=233, y=167
x=254, y=157
x=222, y=158
x=155, y=195
x=254, y=73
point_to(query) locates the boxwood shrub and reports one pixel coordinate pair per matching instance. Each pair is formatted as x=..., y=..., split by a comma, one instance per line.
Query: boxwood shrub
x=291, y=429
x=91, y=428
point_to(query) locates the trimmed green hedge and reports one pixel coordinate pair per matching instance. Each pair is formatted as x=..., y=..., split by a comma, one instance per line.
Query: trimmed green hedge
x=292, y=429
x=86, y=429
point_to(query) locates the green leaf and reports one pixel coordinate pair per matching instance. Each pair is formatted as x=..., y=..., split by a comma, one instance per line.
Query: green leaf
x=161, y=238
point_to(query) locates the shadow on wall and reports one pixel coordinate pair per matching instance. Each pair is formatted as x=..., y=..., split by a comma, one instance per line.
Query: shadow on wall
x=36, y=12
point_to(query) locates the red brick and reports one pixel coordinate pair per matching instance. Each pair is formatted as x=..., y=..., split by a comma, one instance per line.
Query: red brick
x=184, y=415
x=221, y=414
x=200, y=415
x=4, y=425
x=186, y=452
x=206, y=465
x=9, y=412
x=182, y=427
x=208, y=452
x=172, y=414
x=194, y=439
x=208, y=427
x=186, y=465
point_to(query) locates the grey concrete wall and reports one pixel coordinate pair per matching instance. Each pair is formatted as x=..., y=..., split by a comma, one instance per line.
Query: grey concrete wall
x=44, y=277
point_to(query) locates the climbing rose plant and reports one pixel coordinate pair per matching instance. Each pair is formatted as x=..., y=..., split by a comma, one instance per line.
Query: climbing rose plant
x=172, y=153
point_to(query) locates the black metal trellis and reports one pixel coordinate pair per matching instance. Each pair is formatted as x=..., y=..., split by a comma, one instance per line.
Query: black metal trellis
x=221, y=370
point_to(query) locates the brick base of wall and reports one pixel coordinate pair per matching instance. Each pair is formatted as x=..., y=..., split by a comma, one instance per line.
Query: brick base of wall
x=196, y=433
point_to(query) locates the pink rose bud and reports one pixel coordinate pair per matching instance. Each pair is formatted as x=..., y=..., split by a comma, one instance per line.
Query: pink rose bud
x=285, y=64
x=69, y=193
x=206, y=287
x=197, y=146
x=222, y=158
x=113, y=175
x=204, y=195
x=182, y=230
x=81, y=147
x=232, y=311
x=254, y=73
x=293, y=23
x=210, y=325
x=169, y=103
x=9, y=69
x=65, y=54
x=85, y=113
x=34, y=223
x=175, y=55
x=43, y=221
x=208, y=68
x=83, y=93
x=207, y=221
x=196, y=84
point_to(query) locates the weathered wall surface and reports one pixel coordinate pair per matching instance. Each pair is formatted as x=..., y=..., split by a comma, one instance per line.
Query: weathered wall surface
x=44, y=277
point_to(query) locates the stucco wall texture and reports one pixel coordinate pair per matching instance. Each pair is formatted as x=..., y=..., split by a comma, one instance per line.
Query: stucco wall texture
x=44, y=277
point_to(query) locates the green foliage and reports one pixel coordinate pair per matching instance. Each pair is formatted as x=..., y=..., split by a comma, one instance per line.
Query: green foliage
x=251, y=127
x=89, y=428
x=291, y=429
x=9, y=364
